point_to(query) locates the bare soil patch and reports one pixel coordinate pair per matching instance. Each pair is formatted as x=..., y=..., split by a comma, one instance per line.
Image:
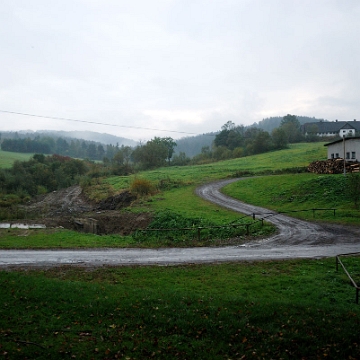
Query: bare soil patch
x=71, y=209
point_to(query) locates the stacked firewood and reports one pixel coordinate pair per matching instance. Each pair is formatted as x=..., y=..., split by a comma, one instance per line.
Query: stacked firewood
x=333, y=166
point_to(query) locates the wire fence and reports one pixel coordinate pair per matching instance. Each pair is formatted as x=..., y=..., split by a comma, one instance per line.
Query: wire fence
x=352, y=282
x=257, y=219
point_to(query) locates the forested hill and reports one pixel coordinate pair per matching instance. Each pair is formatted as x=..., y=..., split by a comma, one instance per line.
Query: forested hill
x=102, y=138
x=269, y=124
x=80, y=144
x=193, y=145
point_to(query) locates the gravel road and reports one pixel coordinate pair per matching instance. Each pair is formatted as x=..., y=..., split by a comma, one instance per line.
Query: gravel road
x=295, y=239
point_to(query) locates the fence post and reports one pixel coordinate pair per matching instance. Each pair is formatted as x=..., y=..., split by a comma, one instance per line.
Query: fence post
x=334, y=212
x=337, y=263
x=247, y=229
x=262, y=221
x=199, y=234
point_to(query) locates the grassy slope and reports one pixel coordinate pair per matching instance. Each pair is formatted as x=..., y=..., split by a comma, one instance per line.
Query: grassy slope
x=289, y=193
x=298, y=155
x=7, y=158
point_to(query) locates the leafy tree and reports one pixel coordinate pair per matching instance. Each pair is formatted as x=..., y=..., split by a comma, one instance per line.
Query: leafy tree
x=290, y=119
x=169, y=144
x=230, y=136
x=279, y=138
x=262, y=142
x=291, y=125
x=91, y=151
x=151, y=155
x=180, y=159
x=312, y=133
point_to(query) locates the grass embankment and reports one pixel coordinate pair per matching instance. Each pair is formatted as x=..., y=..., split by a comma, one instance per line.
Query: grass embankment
x=271, y=310
x=7, y=158
x=296, y=193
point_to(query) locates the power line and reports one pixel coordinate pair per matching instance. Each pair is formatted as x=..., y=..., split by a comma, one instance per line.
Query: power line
x=95, y=122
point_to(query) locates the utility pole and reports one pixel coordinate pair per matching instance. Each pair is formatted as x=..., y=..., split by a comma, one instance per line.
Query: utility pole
x=344, y=155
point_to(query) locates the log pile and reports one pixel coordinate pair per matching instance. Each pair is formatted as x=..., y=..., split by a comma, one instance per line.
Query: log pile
x=333, y=166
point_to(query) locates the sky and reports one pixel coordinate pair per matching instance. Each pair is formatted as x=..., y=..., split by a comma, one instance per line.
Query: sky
x=145, y=68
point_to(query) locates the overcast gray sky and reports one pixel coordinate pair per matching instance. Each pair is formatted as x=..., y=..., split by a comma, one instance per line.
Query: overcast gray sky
x=177, y=65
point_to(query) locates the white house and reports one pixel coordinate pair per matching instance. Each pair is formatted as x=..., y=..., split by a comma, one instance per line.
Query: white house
x=331, y=128
x=347, y=147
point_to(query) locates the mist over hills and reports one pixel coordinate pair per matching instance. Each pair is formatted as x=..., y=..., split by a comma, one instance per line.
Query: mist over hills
x=190, y=145
x=271, y=123
x=102, y=138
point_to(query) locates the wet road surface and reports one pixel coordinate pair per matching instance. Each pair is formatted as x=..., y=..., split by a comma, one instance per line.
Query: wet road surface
x=295, y=239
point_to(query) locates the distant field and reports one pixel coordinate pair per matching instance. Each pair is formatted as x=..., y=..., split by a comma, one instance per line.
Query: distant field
x=7, y=158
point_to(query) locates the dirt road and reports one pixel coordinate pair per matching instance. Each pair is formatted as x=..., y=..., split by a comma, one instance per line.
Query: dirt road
x=295, y=239
x=291, y=231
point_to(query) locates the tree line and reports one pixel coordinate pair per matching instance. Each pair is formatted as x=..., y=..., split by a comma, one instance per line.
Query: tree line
x=233, y=141
x=48, y=145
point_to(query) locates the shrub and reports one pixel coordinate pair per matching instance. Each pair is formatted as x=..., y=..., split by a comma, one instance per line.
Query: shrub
x=142, y=187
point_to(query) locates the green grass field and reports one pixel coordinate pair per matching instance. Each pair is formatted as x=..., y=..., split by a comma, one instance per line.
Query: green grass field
x=296, y=309
x=267, y=310
x=7, y=158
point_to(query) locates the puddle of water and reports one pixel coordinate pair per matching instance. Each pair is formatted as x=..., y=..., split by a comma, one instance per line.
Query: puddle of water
x=22, y=226
x=19, y=226
x=37, y=226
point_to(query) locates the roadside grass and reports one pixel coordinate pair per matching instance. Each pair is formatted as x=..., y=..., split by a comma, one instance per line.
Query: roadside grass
x=292, y=193
x=59, y=238
x=300, y=309
x=7, y=158
x=68, y=239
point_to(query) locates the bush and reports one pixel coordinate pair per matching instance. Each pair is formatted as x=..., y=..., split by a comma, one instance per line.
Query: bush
x=142, y=187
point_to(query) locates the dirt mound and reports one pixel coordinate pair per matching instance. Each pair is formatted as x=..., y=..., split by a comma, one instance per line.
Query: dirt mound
x=62, y=202
x=116, y=202
x=69, y=208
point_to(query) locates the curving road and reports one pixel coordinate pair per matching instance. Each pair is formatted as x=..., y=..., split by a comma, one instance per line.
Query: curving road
x=295, y=239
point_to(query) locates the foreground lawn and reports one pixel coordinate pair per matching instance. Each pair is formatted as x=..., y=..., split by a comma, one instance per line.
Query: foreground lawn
x=269, y=310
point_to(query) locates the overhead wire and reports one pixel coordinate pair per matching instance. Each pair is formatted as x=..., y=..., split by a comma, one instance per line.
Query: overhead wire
x=96, y=122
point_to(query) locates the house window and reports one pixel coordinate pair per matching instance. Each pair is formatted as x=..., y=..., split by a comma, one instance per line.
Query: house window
x=337, y=155
x=332, y=155
x=353, y=155
x=348, y=155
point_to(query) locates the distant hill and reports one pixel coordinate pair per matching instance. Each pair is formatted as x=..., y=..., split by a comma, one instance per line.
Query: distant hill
x=269, y=124
x=105, y=139
x=192, y=145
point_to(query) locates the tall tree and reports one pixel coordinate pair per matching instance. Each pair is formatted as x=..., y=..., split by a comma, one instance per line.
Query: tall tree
x=169, y=143
x=291, y=125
